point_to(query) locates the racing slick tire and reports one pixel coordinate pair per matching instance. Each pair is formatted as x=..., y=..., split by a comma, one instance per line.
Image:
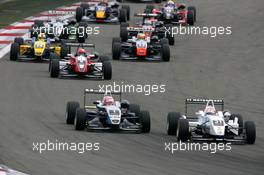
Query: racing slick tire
x=165, y=52
x=190, y=18
x=80, y=119
x=250, y=131
x=123, y=34
x=240, y=121
x=115, y=40
x=122, y=15
x=71, y=111
x=19, y=40
x=172, y=122
x=127, y=8
x=134, y=108
x=55, y=68
x=14, y=51
x=79, y=14
x=116, y=52
x=194, y=11
x=145, y=121
x=183, y=130
x=107, y=70
x=52, y=56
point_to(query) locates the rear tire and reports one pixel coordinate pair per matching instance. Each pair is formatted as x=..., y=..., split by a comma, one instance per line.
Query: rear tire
x=183, y=130
x=165, y=52
x=190, y=18
x=115, y=40
x=71, y=111
x=14, y=52
x=127, y=8
x=123, y=34
x=79, y=14
x=172, y=122
x=122, y=15
x=194, y=11
x=107, y=70
x=19, y=40
x=53, y=56
x=80, y=119
x=250, y=130
x=145, y=121
x=55, y=68
x=116, y=51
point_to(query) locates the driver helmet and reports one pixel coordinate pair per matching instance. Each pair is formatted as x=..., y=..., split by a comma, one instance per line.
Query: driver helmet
x=81, y=51
x=170, y=3
x=41, y=36
x=108, y=100
x=210, y=110
x=141, y=36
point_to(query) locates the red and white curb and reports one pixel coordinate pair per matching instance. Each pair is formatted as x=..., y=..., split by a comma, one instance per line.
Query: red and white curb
x=21, y=28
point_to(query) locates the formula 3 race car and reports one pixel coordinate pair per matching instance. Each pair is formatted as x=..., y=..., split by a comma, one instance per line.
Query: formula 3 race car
x=107, y=114
x=107, y=11
x=141, y=47
x=34, y=49
x=173, y=13
x=210, y=125
x=81, y=64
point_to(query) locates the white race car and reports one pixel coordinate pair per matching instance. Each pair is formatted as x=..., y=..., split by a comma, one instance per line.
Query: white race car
x=210, y=124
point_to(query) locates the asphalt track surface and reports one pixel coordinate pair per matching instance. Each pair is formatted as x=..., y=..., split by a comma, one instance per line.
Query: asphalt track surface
x=32, y=105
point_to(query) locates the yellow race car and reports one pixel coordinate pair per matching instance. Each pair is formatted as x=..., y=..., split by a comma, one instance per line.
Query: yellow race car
x=39, y=48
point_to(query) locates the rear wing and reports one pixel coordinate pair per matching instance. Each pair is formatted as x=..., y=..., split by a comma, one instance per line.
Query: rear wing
x=101, y=92
x=80, y=45
x=203, y=101
x=146, y=15
x=140, y=29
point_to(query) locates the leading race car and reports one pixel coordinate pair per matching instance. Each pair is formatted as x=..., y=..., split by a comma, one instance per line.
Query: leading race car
x=210, y=125
x=174, y=13
x=107, y=114
x=141, y=47
x=35, y=49
x=107, y=11
x=81, y=64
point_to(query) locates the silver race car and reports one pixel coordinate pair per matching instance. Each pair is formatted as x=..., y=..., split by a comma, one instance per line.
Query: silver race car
x=107, y=114
x=210, y=125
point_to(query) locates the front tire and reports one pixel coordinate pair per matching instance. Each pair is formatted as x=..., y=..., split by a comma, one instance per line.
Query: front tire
x=165, y=52
x=71, y=111
x=55, y=68
x=250, y=129
x=172, y=122
x=79, y=14
x=116, y=51
x=80, y=119
x=14, y=52
x=145, y=121
x=134, y=108
x=183, y=130
x=190, y=18
x=107, y=70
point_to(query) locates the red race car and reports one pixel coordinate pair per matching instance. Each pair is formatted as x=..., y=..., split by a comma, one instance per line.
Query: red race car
x=81, y=64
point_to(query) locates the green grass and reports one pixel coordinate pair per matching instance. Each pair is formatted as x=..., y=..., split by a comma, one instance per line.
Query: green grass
x=16, y=10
